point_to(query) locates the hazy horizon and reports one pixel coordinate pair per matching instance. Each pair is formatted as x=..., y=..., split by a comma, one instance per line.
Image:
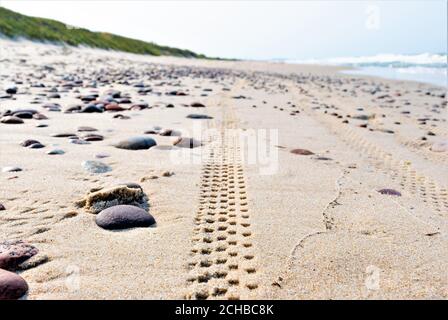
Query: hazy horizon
x=262, y=30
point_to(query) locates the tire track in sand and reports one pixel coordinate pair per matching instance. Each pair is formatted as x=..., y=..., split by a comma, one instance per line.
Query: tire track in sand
x=222, y=264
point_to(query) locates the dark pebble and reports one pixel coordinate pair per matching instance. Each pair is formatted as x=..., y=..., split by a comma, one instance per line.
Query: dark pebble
x=11, y=120
x=302, y=152
x=136, y=143
x=124, y=217
x=199, y=116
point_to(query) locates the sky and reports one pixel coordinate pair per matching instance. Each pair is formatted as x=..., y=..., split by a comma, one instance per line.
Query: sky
x=262, y=29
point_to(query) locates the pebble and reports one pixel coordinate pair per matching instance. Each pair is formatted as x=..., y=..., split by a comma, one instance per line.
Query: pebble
x=63, y=135
x=86, y=129
x=11, y=90
x=199, y=116
x=56, y=152
x=11, y=120
x=390, y=192
x=13, y=253
x=167, y=173
x=187, y=143
x=2, y=207
x=96, y=166
x=440, y=146
x=37, y=145
x=24, y=115
x=170, y=133
x=93, y=137
x=136, y=143
x=11, y=169
x=121, y=116
x=124, y=217
x=79, y=141
x=302, y=152
x=102, y=155
x=12, y=286
x=29, y=142
x=197, y=105
x=91, y=109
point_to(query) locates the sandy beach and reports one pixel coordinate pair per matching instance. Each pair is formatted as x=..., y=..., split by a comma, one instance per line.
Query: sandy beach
x=267, y=180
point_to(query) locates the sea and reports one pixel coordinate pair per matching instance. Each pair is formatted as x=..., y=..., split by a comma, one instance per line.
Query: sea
x=425, y=67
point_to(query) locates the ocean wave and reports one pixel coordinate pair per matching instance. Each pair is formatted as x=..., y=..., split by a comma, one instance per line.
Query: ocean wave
x=428, y=60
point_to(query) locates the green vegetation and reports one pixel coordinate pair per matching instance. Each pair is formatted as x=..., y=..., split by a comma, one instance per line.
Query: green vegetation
x=16, y=25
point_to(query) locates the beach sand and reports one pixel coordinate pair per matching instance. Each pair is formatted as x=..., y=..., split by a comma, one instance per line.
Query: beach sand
x=233, y=222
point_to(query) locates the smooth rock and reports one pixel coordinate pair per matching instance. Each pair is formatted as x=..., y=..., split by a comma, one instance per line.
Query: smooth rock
x=93, y=137
x=86, y=129
x=2, y=207
x=13, y=253
x=136, y=143
x=199, y=116
x=11, y=120
x=170, y=133
x=440, y=146
x=302, y=152
x=63, y=135
x=29, y=142
x=197, y=105
x=12, y=286
x=56, y=152
x=11, y=90
x=91, y=109
x=124, y=217
x=11, y=169
x=36, y=146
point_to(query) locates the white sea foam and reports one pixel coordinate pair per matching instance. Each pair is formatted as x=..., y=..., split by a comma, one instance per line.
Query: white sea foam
x=384, y=60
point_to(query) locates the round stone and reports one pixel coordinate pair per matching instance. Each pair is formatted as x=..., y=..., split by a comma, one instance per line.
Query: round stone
x=2, y=207
x=11, y=120
x=56, y=152
x=23, y=115
x=12, y=286
x=198, y=116
x=136, y=143
x=86, y=129
x=13, y=253
x=11, y=90
x=197, y=105
x=93, y=137
x=36, y=146
x=29, y=142
x=124, y=217
x=95, y=166
x=302, y=152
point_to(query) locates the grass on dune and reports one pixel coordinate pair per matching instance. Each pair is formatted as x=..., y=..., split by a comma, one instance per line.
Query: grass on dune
x=16, y=25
